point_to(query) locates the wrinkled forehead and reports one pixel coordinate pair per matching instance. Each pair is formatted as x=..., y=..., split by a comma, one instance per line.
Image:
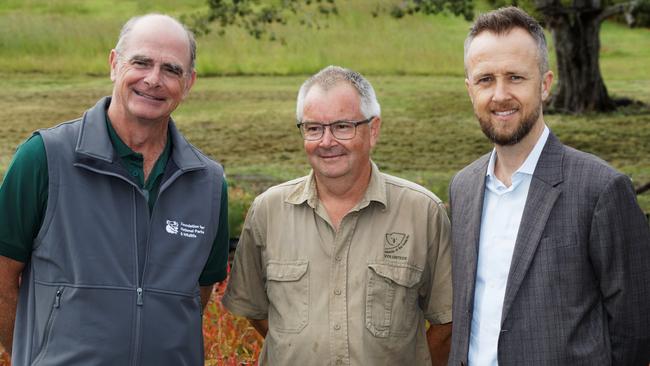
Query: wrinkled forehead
x=159, y=39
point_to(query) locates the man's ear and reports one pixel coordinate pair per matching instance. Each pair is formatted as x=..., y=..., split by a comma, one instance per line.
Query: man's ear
x=469, y=90
x=190, y=83
x=547, y=81
x=112, y=63
x=375, y=127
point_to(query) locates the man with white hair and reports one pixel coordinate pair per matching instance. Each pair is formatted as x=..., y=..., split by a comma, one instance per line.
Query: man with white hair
x=343, y=266
x=114, y=228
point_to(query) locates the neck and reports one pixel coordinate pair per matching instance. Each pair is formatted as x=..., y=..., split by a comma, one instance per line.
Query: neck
x=340, y=195
x=512, y=157
x=145, y=137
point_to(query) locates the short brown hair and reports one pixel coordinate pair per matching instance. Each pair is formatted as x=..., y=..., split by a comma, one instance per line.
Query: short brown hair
x=502, y=21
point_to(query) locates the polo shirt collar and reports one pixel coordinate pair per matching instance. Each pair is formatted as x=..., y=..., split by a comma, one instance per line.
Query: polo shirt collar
x=305, y=191
x=94, y=140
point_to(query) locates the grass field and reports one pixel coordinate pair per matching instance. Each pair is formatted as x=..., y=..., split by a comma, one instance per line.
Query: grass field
x=53, y=66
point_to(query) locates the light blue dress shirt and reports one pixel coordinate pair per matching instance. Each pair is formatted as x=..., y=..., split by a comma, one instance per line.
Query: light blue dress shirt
x=502, y=210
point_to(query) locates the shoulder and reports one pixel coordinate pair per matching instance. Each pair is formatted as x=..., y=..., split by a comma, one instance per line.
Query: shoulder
x=280, y=192
x=406, y=187
x=586, y=165
x=469, y=173
x=412, y=195
x=588, y=174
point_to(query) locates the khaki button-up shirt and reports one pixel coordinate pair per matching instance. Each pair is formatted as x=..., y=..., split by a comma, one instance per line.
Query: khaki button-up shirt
x=356, y=296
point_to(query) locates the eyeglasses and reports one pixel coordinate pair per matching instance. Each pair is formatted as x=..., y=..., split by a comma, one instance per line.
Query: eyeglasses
x=341, y=130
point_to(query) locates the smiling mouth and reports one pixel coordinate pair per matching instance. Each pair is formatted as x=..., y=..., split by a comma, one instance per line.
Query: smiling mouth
x=505, y=113
x=148, y=96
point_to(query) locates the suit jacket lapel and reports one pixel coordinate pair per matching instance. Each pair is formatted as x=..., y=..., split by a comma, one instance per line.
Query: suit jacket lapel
x=475, y=192
x=542, y=194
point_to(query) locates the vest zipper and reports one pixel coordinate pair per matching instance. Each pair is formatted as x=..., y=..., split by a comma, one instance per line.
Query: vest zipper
x=139, y=301
x=49, y=325
x=139, y=291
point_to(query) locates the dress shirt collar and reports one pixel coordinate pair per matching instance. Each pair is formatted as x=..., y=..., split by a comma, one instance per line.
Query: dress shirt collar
x=528, y=167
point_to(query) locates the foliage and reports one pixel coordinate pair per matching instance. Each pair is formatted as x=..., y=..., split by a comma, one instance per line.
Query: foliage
x=255, y=15
x=239, y=200
x=228, y=339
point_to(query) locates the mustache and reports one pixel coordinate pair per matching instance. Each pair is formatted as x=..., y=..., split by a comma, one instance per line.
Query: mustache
x=330, y=151
x=503, y=106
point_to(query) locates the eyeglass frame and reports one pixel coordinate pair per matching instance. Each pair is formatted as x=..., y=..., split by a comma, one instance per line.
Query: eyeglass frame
x=328, y=125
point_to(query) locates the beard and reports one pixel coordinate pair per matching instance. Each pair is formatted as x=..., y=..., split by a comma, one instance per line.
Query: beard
x=524, y=127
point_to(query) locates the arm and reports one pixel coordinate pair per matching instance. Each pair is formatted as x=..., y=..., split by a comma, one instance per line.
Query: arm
x=260, y=325
x=206, y=291
x=439, y=340
x=619, y=249
x=9, y=281
x=215, y=269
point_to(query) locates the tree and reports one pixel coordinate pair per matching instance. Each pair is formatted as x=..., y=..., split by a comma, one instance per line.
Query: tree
x=574, y=26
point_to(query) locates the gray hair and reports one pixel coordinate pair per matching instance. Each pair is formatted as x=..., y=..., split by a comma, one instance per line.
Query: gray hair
x=331, y=76
x=502, y=21
x=128, y=27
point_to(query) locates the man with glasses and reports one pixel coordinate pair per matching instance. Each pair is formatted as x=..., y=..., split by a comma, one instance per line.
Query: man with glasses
x=343, y=266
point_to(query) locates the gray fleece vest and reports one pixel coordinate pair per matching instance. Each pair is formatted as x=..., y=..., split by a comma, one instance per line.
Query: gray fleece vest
x=87, y=296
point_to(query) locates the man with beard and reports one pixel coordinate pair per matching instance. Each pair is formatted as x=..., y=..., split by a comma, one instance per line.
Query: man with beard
x=342, y=267
x=550, y=248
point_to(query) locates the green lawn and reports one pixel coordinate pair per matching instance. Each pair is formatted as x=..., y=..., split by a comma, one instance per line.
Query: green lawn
x=53, y=63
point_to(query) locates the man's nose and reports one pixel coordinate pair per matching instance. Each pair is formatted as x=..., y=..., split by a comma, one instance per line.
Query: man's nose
x=501, y=91
x=327, y=138
x=152, y=78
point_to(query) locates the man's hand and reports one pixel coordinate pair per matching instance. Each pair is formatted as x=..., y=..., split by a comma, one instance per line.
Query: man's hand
x=206, y=292
x=439, y=340
x=260, y=325
x=10, y=271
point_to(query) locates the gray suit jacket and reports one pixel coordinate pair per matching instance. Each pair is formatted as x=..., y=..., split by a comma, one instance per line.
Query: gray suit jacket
x=578, y=291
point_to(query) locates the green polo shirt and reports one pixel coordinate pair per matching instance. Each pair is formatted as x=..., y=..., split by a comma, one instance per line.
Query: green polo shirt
x=24, y=192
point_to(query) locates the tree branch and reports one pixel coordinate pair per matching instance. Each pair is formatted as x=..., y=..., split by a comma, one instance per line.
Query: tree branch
x=642, y=188
x=622, y=8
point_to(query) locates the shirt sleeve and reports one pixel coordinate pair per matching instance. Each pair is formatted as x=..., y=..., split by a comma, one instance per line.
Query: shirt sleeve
x=246, y=291
x=23, y=199
x=438, y=295
x=215, y=269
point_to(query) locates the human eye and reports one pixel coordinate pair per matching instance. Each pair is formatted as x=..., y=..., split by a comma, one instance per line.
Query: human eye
x=516, y=78
x=140, y=62
x=484, y=80
x=343, y=126
x=312, y=128
x=173, y=70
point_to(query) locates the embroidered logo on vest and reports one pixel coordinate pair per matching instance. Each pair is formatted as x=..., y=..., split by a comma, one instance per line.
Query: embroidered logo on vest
x=184, y=229
x=172, y=227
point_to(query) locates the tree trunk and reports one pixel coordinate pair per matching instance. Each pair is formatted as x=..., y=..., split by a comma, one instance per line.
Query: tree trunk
x=580, y=85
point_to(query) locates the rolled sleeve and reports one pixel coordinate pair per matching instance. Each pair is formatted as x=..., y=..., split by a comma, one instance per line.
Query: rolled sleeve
x=246, y=291
x=438, y=295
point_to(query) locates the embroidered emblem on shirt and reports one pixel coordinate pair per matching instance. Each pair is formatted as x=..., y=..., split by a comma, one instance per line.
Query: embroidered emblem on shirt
x=184, y=229
x=395, y=242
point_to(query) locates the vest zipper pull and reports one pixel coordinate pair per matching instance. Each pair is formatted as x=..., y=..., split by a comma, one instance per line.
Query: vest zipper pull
x=57, y=299
x=139, y=301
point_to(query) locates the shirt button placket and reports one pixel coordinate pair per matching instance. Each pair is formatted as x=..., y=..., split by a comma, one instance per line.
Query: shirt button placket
x=338, y=298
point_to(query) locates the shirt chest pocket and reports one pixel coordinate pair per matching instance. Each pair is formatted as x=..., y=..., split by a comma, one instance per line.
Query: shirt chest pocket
x=288, y=293
x=391, y=299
